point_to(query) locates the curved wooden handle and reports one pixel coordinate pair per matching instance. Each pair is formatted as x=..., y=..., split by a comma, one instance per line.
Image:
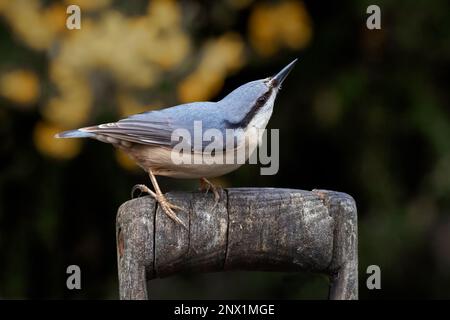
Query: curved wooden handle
x=248, y=229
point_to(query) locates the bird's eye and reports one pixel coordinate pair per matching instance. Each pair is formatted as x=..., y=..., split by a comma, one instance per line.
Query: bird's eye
x=263, y=98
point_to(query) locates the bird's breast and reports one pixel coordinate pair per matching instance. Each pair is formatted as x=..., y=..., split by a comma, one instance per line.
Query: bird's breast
x=196, y=164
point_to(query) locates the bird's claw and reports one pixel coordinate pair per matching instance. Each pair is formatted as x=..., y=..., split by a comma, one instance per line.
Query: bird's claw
x=166, y=206
x=206, y=185
x=169, y=208
x=162, y=200
x=142, y=188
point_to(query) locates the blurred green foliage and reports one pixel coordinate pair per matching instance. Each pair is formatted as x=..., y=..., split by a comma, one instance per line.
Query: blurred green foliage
x=364, y=112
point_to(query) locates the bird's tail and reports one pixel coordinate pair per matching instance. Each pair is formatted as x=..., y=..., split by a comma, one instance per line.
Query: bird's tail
x=75, y=134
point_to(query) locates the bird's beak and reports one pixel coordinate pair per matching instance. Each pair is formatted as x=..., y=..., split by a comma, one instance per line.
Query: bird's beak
x=278, y=79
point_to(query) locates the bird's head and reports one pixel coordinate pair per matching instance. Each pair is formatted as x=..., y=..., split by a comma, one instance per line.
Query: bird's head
x=254, y=99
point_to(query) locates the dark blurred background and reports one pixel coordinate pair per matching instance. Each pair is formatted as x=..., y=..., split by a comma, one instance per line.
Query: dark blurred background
x=364, y=112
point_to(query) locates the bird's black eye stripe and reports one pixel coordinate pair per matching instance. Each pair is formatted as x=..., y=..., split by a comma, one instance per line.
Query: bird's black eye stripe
x=260, y=102
x=262, y=99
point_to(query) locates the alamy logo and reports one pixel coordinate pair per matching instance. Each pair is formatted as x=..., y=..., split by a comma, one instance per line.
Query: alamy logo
x=74, y=280
x=374, y=20
x=374, y=280
x=74, y=20
x=226, y=147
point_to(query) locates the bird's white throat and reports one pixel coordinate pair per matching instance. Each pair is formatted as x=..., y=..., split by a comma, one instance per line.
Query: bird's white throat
x=262, y=116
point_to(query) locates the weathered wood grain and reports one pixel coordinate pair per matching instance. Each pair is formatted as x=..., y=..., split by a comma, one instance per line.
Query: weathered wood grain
x=135, y=247
x=279, y=230
x=344, y=266
x=249, y=229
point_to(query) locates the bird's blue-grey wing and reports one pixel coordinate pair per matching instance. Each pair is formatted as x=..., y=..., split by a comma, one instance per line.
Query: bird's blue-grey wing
x=148, y=132
x=156, y=127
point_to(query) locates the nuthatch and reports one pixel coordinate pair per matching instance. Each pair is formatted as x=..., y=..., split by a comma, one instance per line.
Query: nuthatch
x=148, y=137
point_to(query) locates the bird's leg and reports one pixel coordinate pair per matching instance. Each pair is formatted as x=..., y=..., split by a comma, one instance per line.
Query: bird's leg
x=206, y=185
x=164, y=203
x=166, y=206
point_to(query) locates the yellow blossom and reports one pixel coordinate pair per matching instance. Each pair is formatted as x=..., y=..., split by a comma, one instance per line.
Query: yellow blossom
x=20, y=86
x=55, y=18
x=138, y=52
x=219, y=58
x=165, y=13
x=295, y=25
x=46, y=143
x=172, y=50
x=272, y=26
x=36, y=26
x=199, y=86
x=225, y=54
x=72, y=107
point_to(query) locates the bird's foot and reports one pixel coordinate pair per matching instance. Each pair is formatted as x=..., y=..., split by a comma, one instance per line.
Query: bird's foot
x=165, y=205
x=142, y=189
x=169, y=208
x=206, y=185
